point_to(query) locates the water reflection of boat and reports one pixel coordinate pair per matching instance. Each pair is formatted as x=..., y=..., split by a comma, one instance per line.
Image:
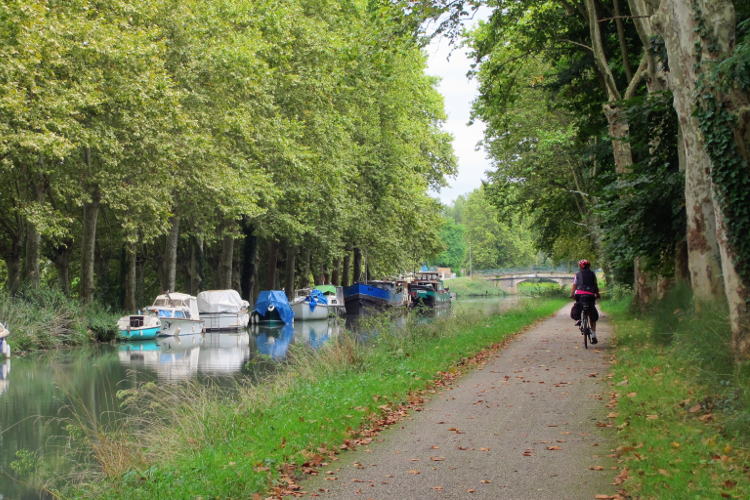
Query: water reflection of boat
x=316, y=333
x=4, y=375
x=224, y=353
x=172, y=358
x=274, y=340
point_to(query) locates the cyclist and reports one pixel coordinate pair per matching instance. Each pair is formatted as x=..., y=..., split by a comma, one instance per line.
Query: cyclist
x=585, y=290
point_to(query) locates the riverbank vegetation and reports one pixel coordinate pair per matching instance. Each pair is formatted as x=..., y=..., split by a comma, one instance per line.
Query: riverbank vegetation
x=682, y=403
x=186, y=145
x=185, y=440
x=44, y=318
x=477, y=286
x=619, y=130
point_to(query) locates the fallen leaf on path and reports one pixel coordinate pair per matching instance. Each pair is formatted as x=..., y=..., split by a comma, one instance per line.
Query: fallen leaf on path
x=463, y=448
x=437, y=459
x=593, y=374
x=528, y=453
x=470, y=490
x=621, y=477
x=706, y=418
x=554, y=448
x=694, y=409
x=435, y=447
x=414, y=472
x=632, y=394
x=484, y=449
x=612, y=414
x=437, y=488
x=605, y=497
x=487, y=481
x=457, y=431
x=596, y=467
x=652, y=417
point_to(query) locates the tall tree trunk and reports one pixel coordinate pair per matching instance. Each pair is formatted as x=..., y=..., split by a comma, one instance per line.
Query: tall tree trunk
x=131, y=259
x=13, y=265
x=289, y=270
x=194, y=267
x=88, y=246
x=272, y=271
x=357, y=268
x=336, y=275
x=249, y=258
x=226, y=261
x=170, y=255
x=61, y=259
x=140, y=278
x=305, y=278
x=345, y=273
x=31, y=256
x=236, y=269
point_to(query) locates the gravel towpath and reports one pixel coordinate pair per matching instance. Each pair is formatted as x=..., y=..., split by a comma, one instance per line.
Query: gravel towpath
x=524, y=426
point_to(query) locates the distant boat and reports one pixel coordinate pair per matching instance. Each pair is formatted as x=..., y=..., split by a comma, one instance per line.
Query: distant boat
x=399, y=295
x=362, y=296
x=178, y=313
x=138, y=327
x=223, y=310
x=273, y=306
x=4, y=346
x=427, y=290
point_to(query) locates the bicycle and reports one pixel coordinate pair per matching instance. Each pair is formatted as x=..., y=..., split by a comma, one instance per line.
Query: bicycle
x=586, y=325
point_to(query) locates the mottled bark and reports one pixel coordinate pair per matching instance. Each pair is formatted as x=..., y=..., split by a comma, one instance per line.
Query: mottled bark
x=272, y=261
x=289, y=270
x=13, y=266
x=195, y=274
x=170, y=255
x=129, y=302
x=61, y=259
x=31, y=256
x=249, y=261
x=357, y=267
x=345, y=271
x=226, y=260
x=336, y=274
x=88, y=246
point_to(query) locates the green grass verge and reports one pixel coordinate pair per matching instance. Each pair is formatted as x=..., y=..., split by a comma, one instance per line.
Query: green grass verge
x=542, y=289
x=188, y=442
x=682, y=403
x=44, y=318
x=473, y=287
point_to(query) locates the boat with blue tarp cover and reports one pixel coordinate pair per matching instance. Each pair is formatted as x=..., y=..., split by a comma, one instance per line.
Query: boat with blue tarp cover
x=362, y=296
x=272, y=305
x=310, y=304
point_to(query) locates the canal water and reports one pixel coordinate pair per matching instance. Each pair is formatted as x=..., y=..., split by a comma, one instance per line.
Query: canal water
x=40, y=393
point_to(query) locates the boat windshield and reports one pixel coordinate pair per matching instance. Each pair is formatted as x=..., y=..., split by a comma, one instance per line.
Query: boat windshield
x=170, y=313
x=170, y=303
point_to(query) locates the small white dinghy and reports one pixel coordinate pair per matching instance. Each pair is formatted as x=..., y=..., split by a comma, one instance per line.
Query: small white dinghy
x=223, y=310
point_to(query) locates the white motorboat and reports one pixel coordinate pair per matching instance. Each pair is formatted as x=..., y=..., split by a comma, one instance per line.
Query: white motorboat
x=223, y=310
x=4, y=346
x=178, y=313
x=320, y=302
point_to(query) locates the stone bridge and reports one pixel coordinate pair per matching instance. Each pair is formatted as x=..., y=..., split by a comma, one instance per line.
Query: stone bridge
x=509, y=282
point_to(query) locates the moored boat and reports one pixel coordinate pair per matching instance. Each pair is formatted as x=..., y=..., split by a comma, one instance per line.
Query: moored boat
x=138, y=327
x=178, y=313
x=223, y=310
x=273, y=306
x=427, y=290
x=362, y=296
x=310, y=304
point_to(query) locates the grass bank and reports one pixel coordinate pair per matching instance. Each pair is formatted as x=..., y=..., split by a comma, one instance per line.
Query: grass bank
x=542, y=289
x=473, y=287
x=683, y=411
x=190, y=441
x=44, y=318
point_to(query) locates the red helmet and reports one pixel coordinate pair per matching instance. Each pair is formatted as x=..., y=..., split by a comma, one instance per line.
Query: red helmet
x=583, y=263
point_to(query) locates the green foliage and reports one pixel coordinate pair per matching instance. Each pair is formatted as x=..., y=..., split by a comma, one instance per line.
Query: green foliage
x=234, y=445
x=452, y=235
x=675, y=365
x=44, y=318
x=643, y=210
x=469, y=286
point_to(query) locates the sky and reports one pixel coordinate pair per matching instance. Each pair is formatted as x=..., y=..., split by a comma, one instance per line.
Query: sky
x=451, y=64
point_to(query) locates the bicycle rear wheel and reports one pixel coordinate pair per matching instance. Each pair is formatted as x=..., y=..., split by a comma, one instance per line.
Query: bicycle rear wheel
x=585, y=329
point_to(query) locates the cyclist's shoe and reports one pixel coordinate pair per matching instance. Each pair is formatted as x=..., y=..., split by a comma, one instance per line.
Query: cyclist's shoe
x=593, y=338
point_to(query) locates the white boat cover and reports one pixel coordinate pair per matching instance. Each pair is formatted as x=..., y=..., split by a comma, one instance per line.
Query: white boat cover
x=221, y=301
x=178, y=300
